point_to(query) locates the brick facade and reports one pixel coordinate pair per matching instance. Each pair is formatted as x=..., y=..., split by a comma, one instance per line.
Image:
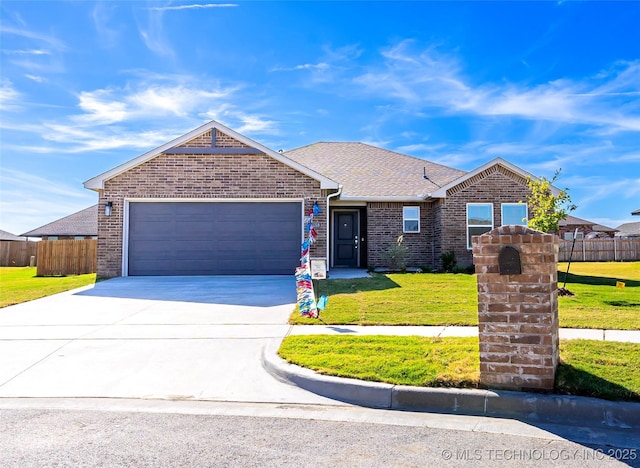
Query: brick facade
x=202, y=176
x=495, y=185
x=384, y=226
x=517, y=313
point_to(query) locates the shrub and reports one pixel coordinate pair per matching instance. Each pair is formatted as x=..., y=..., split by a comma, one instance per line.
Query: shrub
x=396, y=255
x=449, y=261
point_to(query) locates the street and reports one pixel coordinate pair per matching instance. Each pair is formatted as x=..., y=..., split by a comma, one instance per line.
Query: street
x=227, y=434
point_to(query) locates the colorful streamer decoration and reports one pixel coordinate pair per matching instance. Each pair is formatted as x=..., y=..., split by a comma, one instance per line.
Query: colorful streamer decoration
x=304, y=284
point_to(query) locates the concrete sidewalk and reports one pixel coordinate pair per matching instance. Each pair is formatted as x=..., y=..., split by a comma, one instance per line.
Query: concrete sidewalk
x=628, y=336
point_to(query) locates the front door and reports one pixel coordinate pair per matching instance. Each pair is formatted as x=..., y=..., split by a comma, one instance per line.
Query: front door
x=346, y=233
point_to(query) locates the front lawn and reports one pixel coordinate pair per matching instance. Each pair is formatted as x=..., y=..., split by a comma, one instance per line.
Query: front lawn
x=20, y=284
x=451, y=299
x=598, y=369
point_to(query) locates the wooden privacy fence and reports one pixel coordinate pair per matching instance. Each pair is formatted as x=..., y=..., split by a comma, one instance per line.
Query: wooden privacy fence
x=17, y=253
x=601, y=250
x=67, y=257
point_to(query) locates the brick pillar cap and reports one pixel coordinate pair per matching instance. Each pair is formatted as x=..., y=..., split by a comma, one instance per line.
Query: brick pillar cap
x=513, y=229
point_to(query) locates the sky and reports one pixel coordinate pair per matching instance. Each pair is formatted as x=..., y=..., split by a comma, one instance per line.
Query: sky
x=86, y=86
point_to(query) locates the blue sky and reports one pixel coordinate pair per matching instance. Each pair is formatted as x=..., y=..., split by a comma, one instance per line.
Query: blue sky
x=85, y=86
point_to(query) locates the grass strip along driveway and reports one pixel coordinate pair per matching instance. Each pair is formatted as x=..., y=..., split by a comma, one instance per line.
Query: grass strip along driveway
x=451, y=299
x=20, y=284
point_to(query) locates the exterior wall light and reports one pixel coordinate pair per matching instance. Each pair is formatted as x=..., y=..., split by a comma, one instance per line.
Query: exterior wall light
x=108, y=208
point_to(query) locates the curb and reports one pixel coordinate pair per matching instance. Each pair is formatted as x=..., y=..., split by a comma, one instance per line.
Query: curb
x=529, y=407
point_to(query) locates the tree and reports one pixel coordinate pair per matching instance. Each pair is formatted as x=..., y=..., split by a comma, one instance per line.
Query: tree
x=547, y=209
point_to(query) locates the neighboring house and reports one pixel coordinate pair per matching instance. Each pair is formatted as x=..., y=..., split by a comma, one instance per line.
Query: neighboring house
x=216, y=202
x=628, y=230
x=16, y=251
x=80, y=225
x=7, y=236
x=586, y=229
x=637, y=212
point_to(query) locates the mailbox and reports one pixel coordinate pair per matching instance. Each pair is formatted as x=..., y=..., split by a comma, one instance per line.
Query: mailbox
x=509, y=261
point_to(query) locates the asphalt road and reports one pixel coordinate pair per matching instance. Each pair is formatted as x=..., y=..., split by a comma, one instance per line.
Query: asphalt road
x=31, y=437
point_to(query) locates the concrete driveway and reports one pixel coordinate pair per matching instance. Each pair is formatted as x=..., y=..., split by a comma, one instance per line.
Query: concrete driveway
x=151, y=337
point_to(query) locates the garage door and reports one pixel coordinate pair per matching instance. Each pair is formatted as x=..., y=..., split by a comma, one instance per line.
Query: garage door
x=225, y=238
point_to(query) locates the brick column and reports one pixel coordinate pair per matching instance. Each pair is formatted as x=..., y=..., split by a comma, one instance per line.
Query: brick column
x=517, y=313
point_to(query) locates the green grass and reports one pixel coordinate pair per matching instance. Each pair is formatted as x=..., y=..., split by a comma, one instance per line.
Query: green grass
x=451, y=299
x=598, y=369
x=399, y=299
x=20, y=284
x=598, y=303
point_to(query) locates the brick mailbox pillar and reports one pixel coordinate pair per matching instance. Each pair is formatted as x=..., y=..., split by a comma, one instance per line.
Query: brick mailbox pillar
x=517, y=276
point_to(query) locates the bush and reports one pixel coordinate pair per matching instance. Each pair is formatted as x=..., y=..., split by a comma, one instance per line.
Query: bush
x=449, y=261
x=396, y=255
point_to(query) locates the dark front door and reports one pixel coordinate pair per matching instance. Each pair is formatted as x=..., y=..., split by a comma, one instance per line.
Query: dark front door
x=345, y=238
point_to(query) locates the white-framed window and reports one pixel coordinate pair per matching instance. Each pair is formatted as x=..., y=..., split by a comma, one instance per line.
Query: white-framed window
x=410, y=219
x=52, y=238
x=569, y=236
x=479, y=220
x=514, y=214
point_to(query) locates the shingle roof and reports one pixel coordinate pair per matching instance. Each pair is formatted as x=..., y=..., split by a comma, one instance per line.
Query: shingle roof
x=82, y=223
x=628, y=229
x=7, y=236
x=575, y=221
x=367, y=171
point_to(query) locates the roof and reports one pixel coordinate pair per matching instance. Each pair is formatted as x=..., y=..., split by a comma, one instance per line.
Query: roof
x=637, y=212
x=575, y=221
x=7, y=236
x=97, y=183
x=371, y=173
x=628, y=230
x=82, y=223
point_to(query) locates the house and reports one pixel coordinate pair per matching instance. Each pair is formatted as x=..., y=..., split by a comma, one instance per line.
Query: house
x=7, y=236
x=585, y=229
x=628, y=230
x=637, y=212
x=16, y=251
x=216, y=202
x=80, y=225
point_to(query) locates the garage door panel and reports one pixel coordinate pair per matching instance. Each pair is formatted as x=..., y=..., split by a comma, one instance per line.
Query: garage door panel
x=168, y=238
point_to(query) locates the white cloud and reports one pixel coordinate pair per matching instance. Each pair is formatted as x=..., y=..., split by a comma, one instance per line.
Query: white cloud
x=430, y=79
x=9, y=96
x=194, y=6
x=50, y=41
x=36, y=78
x=146, y=101
x=27, y=52
x=306, y=66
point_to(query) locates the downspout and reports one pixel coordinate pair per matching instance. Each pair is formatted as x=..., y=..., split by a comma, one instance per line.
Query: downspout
x=332, y=195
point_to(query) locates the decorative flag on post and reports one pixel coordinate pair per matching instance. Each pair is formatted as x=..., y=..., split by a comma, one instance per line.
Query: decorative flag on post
x=304, y=283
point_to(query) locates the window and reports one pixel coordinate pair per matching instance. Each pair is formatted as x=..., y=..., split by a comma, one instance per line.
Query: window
x=52, y=238
x=78, y=238
x=569, y=235
x=410, y=219
x=514, y=214
x=479, y=220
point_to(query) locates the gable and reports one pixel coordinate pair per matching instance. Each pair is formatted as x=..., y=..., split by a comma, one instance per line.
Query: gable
x=496, y=168
x=210, y=138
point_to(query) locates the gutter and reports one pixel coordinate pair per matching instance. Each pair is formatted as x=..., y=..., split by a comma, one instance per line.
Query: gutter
x=331, y=195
